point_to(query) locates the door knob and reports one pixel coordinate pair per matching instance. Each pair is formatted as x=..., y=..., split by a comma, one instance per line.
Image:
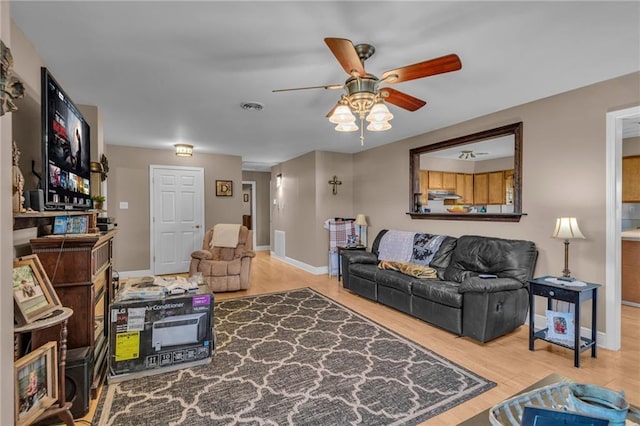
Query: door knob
x=197, y=226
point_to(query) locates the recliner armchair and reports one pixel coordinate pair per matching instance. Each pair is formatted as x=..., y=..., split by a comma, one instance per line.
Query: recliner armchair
x=224, y=268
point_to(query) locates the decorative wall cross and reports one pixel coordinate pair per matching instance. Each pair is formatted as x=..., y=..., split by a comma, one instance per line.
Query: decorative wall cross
x=335, y=182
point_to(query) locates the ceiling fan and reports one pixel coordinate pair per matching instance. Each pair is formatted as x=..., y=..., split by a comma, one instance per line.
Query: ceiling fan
x=364, y=95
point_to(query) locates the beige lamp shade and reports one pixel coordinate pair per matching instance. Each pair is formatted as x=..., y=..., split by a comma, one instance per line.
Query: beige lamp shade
x=567, y=229
x=361, y=220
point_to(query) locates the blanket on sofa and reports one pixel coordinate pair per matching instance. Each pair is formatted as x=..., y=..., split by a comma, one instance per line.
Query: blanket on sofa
x=407, y=268
x=396, y=246
x=405, y=246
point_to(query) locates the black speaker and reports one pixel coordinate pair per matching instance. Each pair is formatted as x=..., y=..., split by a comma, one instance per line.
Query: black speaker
x=77, y=385
x=36, y=198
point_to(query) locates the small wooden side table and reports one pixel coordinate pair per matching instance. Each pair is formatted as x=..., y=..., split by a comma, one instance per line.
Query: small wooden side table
x=340, y=250
x=62, y=409
x=566, y=293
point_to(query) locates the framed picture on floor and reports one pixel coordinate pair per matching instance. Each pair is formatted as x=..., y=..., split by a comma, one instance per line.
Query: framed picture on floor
x=33, y=295
x=224, y=188
x=36, y=383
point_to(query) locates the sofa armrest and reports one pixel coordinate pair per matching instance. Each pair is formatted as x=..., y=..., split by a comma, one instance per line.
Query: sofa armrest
x=202, y=255
x=488, y=285
x=248, y=253
x=361, y=257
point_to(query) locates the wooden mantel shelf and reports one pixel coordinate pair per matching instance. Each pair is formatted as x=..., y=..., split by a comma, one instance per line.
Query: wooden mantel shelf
x=35, y=219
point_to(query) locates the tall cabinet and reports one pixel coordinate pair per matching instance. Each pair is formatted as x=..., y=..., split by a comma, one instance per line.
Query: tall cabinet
x=80, y=269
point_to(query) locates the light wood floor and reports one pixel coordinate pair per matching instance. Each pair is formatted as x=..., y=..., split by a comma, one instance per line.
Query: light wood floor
x=506, y=360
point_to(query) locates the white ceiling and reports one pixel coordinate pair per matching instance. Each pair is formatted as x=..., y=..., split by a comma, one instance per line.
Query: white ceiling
x=173, y=71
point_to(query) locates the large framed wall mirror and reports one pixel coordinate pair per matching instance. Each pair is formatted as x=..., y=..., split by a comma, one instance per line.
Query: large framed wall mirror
x=473, y=177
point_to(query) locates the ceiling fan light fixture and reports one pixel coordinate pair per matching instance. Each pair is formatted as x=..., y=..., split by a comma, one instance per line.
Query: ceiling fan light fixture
x=342, y=115
x=379, y=113
x=378, y=126
x=347, y=127
x=465, y=155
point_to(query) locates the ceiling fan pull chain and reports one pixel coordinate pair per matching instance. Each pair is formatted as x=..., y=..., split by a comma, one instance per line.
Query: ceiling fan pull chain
x=361, y=130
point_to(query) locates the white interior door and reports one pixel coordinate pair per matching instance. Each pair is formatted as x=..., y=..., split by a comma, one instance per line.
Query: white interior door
x=177, y=217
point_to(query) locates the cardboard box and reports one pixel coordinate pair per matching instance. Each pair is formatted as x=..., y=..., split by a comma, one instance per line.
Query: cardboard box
x=162, y=334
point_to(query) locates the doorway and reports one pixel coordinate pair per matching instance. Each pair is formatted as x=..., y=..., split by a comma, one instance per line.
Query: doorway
x=177, y=217
x=249, y=207
x=613, y=289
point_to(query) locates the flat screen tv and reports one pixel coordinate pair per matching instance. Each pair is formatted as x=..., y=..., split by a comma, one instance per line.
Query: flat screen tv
x=65, y=150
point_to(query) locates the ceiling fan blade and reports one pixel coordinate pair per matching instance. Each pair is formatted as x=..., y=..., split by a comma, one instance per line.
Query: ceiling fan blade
x=440, y=65
x=401, y=99
x=346, y=54
x=329, y=87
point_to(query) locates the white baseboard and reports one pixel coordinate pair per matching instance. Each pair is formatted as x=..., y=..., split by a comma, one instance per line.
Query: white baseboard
x=315, y=270
x=262, y=248
x=132, y=274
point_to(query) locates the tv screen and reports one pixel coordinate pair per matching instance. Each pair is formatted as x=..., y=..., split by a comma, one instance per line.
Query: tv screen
x=66, y=150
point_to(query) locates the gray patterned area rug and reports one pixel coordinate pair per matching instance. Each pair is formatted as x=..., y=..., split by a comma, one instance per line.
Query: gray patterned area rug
x=296, y=358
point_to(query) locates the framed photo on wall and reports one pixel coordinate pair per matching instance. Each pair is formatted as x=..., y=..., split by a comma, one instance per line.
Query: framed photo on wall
x=35, y=382
x=33, y=295
x=224, y=188
x=246, y=198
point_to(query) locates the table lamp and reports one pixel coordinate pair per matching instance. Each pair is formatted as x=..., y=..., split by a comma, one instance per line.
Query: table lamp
x=567, y=229
x=361, y=221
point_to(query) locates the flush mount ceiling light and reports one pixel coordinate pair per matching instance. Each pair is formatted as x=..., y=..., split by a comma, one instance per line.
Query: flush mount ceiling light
x=365, y=98
x=184, y=150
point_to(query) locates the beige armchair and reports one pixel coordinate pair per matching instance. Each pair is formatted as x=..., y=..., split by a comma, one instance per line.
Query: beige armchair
x=224, y=268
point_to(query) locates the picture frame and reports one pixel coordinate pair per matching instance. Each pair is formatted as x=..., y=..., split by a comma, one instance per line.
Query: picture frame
x=70, y=225
x=560, y=325
x=33, y=294
x=224, y=188
x=35, y=383
x=245, y=198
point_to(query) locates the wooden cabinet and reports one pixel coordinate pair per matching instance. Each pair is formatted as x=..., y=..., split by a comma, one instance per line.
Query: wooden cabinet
x=464, y=188
x=631, y=271
x=496, y=188
x=442, y=180
x=631, y=179
x=80, y=269
x=481, y=188
x=424, y=187
x=509, y=185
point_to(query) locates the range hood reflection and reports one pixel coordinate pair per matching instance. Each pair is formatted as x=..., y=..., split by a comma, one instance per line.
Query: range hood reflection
x=442, y=195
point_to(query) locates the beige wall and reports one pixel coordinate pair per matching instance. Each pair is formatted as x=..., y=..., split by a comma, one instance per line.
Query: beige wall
x=128, y=181
x=27, y=130
x=563, y=175
x=305, y=200
x=6, y=246
x=263, y=206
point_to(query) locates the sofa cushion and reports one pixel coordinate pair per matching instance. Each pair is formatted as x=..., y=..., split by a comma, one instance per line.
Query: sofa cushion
x=364, y=270
x=443, y=292
x=442, y=257
x=475, y=255
x=418, y=271
x=394, y=279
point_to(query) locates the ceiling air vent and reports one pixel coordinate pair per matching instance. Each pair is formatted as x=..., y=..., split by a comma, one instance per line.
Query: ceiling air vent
x=252, y=106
